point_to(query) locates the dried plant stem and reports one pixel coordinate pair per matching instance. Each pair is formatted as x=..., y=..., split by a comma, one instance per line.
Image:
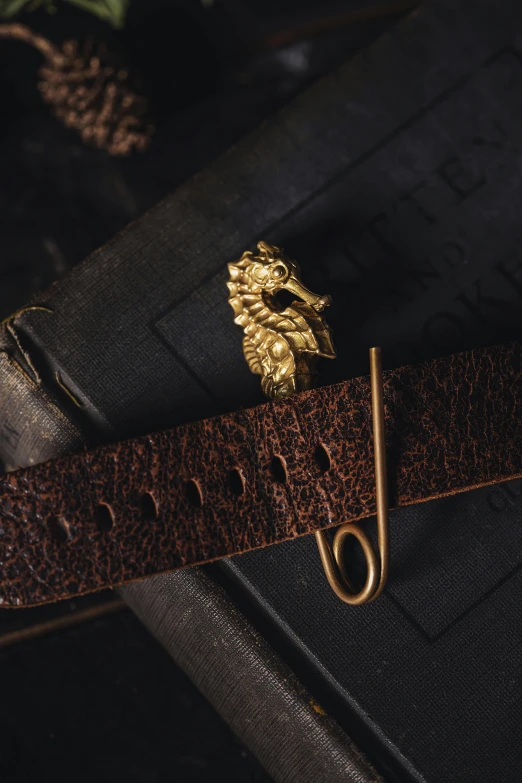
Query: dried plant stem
x=22, y=33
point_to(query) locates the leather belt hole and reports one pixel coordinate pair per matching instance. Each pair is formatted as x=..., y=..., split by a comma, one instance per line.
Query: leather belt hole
x=236, y=481
x=322, y=458
x=278, y=468
x=104, y=517
x=59, y=529
x=148, y=507
x=193, y=493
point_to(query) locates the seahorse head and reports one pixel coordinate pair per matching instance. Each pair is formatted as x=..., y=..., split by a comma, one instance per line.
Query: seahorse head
x=265, y=273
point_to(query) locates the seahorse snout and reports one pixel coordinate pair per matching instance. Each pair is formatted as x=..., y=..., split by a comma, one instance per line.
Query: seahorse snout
x=322, y=302
x=294, y=285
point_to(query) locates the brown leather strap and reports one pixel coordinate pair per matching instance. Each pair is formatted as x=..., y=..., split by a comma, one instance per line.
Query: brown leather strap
x=252, y=478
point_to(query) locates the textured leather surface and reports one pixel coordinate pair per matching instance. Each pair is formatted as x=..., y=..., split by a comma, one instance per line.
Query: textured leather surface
x=175, y=498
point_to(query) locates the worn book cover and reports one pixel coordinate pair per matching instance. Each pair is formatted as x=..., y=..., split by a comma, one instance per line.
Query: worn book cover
x=395, y=183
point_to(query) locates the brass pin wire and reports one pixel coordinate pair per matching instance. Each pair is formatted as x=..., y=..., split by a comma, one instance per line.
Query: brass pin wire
x=377, y=564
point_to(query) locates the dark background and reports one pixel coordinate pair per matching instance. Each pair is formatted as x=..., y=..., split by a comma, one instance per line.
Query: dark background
x=86, y=692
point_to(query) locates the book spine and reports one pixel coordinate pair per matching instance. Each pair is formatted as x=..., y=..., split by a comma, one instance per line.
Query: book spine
x=34, y=427
x=248, y=684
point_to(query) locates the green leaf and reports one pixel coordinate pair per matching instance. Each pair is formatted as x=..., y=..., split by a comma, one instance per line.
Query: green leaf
x=111, y=11
x=9, y=8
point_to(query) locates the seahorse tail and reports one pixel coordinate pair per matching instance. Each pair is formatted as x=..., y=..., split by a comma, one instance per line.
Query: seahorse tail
x=267, y=386
x=286, y=388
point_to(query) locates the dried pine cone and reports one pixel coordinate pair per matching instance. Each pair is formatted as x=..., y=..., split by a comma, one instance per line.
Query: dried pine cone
x=90, y=92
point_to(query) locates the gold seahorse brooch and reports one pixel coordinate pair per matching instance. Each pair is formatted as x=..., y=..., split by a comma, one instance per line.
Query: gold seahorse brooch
x=281, y=344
